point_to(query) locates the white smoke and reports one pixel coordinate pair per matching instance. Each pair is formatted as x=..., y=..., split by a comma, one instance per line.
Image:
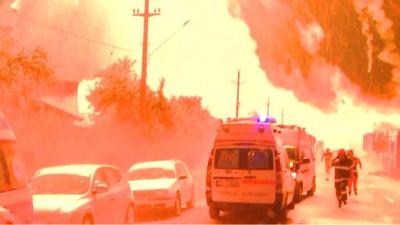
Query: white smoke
x=311, y=36
x=16, y=5
x=384, y=27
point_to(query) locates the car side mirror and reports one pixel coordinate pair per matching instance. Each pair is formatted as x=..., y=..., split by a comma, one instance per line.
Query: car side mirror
x=100, y=188
x=182, y=177
x=305, y=161
x=294, y=166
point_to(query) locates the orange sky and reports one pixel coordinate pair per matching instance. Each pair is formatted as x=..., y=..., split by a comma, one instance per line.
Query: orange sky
x=203, y=58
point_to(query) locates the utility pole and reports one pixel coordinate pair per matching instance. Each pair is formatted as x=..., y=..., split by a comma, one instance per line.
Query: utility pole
x=238, y=83
x=282, y=114
x=268, y=107
x=143, y=85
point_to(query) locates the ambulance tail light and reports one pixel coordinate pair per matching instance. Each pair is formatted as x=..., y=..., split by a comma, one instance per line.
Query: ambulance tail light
x=208, y=185
x=278, y=170
x=208, y=177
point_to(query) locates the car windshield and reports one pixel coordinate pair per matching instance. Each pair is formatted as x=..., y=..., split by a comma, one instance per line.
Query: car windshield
x=245, y=159
x=60, y=184
x=151, y=173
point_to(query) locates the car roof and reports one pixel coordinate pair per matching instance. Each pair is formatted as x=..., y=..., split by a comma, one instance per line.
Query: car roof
x=78, y=169
x=166, y=164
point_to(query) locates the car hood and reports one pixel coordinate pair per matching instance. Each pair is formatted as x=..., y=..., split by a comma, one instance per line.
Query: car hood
x=50, y=203
x=152, y=184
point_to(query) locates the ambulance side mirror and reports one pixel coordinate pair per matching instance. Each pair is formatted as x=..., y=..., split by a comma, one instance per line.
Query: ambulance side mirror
x=294, y=166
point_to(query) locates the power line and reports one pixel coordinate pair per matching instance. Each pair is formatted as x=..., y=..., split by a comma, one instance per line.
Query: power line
x=68, y=32
x=169, y=37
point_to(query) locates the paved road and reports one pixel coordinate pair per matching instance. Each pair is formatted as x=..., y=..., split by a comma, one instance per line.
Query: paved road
x=378, y=202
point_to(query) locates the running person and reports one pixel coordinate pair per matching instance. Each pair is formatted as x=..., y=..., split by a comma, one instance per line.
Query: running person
x=342, y=167
x=356, y=162
x=327, y=156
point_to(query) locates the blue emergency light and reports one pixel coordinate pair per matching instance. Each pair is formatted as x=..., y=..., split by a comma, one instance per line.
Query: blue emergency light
x=265, y=119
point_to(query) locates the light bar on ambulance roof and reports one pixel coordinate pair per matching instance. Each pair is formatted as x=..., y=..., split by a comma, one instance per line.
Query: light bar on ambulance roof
x=265, y=119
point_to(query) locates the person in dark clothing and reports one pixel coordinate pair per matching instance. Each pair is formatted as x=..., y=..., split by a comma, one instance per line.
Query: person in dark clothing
x=342, y=167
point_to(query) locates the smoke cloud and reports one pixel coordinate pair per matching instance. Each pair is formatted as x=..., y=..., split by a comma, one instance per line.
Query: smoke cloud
x=323, y=49
x=73, y=33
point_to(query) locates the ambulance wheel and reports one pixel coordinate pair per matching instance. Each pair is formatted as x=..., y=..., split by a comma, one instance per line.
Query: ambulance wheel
x=313, y=189
x=298, y=193
x=281, y=214
x=213, y=212
x=292, y=205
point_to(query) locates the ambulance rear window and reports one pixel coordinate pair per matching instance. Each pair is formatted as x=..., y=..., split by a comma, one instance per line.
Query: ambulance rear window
x=244, y=159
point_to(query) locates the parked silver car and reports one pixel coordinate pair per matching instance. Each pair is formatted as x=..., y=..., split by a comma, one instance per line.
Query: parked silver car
x=82, y=194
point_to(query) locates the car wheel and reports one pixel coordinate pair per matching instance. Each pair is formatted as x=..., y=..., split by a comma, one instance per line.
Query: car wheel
x=190, y=204
x=292, y=205
x=88, y=219
x=130, y=215
x=178, y=207
x=313, y=189
x=213, y=212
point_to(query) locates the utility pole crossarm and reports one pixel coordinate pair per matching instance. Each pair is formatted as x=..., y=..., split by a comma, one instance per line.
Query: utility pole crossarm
x=137, y=13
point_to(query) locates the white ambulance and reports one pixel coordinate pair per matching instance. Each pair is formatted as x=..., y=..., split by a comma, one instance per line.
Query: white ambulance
x=15, y=193
x=300, y=146
x=249, y=168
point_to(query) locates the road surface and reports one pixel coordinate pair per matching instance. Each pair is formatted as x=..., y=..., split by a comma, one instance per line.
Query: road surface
x=378, y=201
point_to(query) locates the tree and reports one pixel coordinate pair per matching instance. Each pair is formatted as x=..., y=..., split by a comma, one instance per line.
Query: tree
x=23, y=76
x=117, y=93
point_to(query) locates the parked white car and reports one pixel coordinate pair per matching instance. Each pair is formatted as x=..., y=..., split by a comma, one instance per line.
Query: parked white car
x=161, y=185
x=82, y=194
